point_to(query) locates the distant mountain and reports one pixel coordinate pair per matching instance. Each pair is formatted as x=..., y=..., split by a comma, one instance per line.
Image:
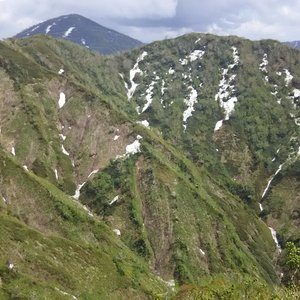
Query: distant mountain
x=294, y=44
x=85, y=32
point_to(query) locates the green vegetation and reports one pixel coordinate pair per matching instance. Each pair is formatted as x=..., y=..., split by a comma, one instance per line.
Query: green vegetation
x=292, y=263
x=235, y=288
x=184, y=208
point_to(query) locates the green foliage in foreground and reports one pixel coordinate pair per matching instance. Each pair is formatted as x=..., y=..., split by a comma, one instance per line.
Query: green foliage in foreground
x=236, y=288
x=292, y=263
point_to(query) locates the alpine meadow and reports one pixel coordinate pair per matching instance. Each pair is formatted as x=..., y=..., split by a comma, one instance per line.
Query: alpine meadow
x=169, y=171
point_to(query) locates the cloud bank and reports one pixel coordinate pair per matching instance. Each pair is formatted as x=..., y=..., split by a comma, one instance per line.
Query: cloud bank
x=150, y=20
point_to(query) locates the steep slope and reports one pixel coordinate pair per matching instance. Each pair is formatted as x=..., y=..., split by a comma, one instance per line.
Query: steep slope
x=170, y=147
x=83, y=31
x=229, y=103
x=52, y=246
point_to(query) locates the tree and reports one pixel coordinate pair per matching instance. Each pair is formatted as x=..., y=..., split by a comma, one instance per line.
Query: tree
x=292, y=261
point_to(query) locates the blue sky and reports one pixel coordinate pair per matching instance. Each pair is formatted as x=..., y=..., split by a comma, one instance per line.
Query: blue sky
x=149, y=20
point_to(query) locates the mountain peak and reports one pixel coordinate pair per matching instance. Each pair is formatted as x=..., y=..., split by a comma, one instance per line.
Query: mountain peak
x=83, y=31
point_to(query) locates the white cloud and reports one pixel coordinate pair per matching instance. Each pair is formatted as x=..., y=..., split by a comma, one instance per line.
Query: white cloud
x=149, y=20
x=148, y=9
x=252, y=29
x=148, y=34
x=261, y=20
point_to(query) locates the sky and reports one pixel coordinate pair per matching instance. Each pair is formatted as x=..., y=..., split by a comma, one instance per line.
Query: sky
x=149, y=20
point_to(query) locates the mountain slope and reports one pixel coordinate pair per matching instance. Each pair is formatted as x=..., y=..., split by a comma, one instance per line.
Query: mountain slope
x=83, y=31
x=229, y=102
x=47, y=238
x=134, y=139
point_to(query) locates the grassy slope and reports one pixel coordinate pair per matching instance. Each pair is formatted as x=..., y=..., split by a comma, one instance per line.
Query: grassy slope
x=183, y=208
x=71, y=250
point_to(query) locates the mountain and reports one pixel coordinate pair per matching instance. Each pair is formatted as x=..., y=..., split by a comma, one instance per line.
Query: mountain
x=170, y=171
x=294, y=44
x=85, y=32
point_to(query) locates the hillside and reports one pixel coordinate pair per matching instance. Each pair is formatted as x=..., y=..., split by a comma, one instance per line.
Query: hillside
x=83, y=31
x=149, y=168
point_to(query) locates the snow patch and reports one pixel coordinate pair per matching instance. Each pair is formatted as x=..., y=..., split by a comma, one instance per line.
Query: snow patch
x=226, y=100
x=77, y=191
x=35, y=28
x=171, y=284
x=163, y=88
x=196, y=54
x=198, y=40
x=68, y=32
x=274, y=236
x=115, y=199
x=202, y=252
x=297, y=121
x=260, y=207
x=13, y=152
x=183, y=61
x=56, y=174
x=25, y=168
x=149, y=95
x=117, y=232
x=229, y=106
x=236, y=58
x=63, y=137
x=144, y=123
x=11, y=266
x=270, y=181
x=61, y=71
x=288, y=77
x=190, y=102
x=83, y=41
x=135, y=70
x=296, y=93
x=218, y=125
x=61, y=100
x=295, y=98
x=275, y=91
x=116, y=137
x=64, y=151
x=132, y=148
x=49, y=27
x=93, y=172
x=138, y=110
x=87, y=210
x=263, y=65
x=65, y=293
x=171, y=71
